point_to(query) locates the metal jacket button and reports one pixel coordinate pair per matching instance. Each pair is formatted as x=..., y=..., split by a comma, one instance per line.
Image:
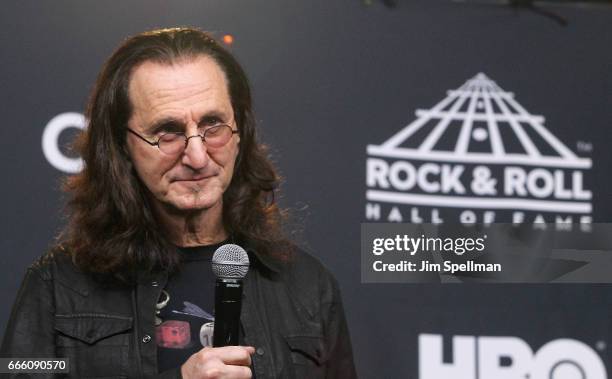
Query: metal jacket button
x=146, y=338
x=260, y=351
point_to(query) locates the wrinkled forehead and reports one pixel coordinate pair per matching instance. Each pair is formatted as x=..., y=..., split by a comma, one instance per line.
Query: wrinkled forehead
x=186, y=72
x=160, y=87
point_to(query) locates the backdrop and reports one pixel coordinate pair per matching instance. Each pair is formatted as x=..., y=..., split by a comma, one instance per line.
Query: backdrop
x=340, y=86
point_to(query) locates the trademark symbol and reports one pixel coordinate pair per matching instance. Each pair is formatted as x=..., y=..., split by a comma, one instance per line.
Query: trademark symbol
x=600, y=345
x=584, y=147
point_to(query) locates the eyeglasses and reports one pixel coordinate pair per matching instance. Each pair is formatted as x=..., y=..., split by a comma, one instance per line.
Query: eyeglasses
x=176, y=142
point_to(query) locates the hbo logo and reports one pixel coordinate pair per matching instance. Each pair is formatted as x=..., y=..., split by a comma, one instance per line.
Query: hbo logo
x=508, y=358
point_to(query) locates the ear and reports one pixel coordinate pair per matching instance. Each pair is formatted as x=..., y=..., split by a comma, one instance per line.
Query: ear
x=237, y=137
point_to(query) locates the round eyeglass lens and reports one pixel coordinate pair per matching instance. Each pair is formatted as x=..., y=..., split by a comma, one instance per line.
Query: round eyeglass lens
x=218, y=136
x=172, y=143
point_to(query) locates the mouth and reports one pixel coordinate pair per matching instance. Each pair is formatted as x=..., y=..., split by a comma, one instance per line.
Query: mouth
x=194, y=179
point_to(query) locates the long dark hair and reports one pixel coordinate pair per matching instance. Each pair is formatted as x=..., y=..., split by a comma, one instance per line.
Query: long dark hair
x=111, y=228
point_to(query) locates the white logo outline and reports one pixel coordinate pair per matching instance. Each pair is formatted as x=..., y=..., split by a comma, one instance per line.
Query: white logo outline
x=481, y=92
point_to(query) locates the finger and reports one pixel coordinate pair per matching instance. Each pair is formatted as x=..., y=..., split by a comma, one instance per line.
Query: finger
x=237, y=372
x=240, y=356
x=231, y=355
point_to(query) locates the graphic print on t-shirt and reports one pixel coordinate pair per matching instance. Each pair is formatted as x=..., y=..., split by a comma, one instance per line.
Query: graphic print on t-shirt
x=176, y=334
x=187, y=319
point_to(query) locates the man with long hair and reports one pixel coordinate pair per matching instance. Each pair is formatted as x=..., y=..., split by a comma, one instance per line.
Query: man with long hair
x=173, y=170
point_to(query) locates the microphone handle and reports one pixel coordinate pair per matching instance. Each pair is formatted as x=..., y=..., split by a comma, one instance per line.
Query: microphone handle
x=228, y=302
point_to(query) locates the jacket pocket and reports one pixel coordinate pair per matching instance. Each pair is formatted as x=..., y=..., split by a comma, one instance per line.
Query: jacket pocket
x=308, y=355
x=97, y=345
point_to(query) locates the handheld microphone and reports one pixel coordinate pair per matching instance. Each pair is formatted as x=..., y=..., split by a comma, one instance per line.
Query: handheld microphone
x=230, y=263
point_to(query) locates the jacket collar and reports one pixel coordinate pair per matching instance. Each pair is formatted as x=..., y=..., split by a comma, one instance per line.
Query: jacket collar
x=266, y=260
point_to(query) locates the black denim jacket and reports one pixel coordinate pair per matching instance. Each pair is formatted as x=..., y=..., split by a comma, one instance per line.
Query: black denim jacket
x=291, y=313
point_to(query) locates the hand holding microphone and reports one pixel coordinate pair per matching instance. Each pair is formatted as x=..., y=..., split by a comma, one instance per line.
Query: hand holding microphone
x=228, y=362
x=226, y=359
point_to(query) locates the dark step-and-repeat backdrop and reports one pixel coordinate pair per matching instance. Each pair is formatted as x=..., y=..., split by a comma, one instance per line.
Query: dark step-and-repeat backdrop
x=376, y=112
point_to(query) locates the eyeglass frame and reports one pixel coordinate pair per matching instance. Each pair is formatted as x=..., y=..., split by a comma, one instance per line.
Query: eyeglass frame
x=202, y=136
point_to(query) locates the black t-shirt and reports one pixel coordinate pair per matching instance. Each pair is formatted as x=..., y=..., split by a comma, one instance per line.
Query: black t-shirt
x=187, y=319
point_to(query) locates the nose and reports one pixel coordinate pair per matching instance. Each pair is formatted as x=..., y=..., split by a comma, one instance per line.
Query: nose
x=195, y=154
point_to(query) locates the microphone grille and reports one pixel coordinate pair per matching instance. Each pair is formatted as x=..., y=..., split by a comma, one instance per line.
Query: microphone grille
x=230, y=262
